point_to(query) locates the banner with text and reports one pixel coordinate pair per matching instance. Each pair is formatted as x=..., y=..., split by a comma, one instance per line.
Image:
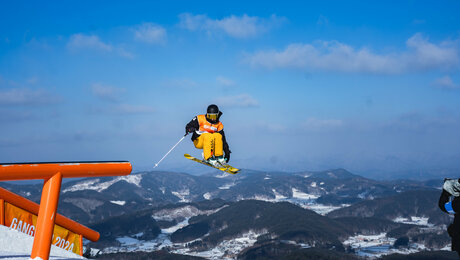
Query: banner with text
x=26, y=222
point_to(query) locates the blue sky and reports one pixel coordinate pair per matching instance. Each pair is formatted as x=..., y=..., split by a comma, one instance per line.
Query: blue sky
x=373, y=87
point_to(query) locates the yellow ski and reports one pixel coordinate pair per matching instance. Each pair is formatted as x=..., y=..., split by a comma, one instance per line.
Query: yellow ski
x=228, y=168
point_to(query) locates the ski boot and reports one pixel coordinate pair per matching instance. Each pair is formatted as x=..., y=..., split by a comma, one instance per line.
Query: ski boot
x=222, y=161
x=213, y=162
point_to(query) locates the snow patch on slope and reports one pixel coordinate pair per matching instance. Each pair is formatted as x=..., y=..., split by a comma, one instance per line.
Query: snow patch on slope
x=304, y=200
x=278, y=196
x=176, y=227
x=182, y=194
x=118, y=202
x=227, y=186
x=360, y=241
x=323, y=209
x=373, y=246
x=95, y=184
x=301, y=195
x=227, y=249
x=420, y=221
x=127, y=241
x=182, y=212
x=207, y=195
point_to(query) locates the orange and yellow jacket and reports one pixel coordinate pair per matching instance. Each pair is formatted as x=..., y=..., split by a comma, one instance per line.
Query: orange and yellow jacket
x=200, y=125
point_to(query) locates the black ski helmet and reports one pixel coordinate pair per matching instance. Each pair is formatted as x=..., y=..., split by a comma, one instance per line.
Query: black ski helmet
x=212, y=114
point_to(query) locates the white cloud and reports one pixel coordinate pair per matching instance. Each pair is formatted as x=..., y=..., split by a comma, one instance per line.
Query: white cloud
x=132, y=109
x=243, y=100
x=32, y=80
x=180, y=83
x=445, y=83
x=25, y=96
x=420, y=55
x=317, y=124
x=235, y=26
x=223, y=81
x=271, y=127
x=80, y=41
x=124, y=53
x=121, y=109
x=150, y=33
x=14, y=116
x=105, y=92
x=428, y=55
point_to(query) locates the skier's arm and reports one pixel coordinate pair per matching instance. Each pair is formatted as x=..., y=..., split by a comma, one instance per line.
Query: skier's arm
x=446, y=205
x=192, y=126
x=443, y=199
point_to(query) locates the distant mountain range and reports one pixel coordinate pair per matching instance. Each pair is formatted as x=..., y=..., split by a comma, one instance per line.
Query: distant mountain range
x=401, y=205
x=94, y=199
x=246, y=214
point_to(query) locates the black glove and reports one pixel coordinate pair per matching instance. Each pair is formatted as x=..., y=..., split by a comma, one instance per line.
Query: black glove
x=227, y=157
x=189, y=130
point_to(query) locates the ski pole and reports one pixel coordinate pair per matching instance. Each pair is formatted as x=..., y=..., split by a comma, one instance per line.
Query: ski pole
x=170, y=150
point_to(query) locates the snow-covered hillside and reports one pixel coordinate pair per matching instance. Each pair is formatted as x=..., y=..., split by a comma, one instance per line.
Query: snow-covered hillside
x=17, y=245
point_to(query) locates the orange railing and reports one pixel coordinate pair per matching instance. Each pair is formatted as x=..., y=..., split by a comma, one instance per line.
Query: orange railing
x=52, y=173
x=33, y=208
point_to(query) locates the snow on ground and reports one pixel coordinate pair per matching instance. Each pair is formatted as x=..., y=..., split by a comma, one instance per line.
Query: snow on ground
x=131, y=244
x=227, y=186
x=118, y=202
x=176, y=213
x=178, y=226
x=127, y=241
x=420, y=221
x=292, y=242
x=322, y=209
x=301, y=195
x=374, y=246
x=207, y=196
x=182, y=212
x=95, y=184
x=223, y=175
x=448, y=247
x=15, y=245
x=227, y=249
x=182, y=194
x=360, y=241
x=299, y=198
x=278, y=196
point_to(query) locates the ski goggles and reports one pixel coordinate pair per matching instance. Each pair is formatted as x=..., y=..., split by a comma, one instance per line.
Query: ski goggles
x=212, y=116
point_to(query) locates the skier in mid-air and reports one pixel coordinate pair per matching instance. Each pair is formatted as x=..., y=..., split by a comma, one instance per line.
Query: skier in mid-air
x=208, y=134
